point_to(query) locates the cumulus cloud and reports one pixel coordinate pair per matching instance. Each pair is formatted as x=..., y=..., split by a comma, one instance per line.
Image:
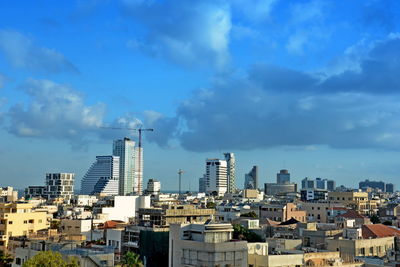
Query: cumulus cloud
x=186, y=32
x=22, y=52
x=274, y=106
x=54, y=111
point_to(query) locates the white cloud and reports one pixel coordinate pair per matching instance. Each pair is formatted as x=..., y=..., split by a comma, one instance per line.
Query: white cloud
x=22, y=52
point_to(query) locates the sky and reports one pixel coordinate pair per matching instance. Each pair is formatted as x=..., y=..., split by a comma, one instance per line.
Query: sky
x=308, y=85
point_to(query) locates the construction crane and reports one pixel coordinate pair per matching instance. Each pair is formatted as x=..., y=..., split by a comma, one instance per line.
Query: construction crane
x=180, y=172
x=139, y=130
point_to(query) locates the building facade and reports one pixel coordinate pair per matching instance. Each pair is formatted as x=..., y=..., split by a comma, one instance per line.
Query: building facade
x=60, y=185
x=283, y=177
x=230, y=172
x=216, y=177
x=104, y=169
x=251, y=179
x=153, y=187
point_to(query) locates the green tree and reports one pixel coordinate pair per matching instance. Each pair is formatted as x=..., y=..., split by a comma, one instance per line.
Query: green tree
x=251, y=214
x=50, y=259
x=5, y=259
x=210, y=205
x=375, y=219
x=131, y=259
x=242, y=233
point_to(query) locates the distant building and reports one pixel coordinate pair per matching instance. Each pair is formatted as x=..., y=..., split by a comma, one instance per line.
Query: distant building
x=283, y=177
x=216, y=176
x=331, y=185
x=8, y=194
x=60, y=185
x=313, y=194
x=102, y=176
x=376, y=185
x=389, y=188
x=230, y=172
x=153, y=187
x=206, y=244
x=131, y=166
x=251, y=179
x=202, y=184
x=272, y=189
x=318, y=183
x=35, y=191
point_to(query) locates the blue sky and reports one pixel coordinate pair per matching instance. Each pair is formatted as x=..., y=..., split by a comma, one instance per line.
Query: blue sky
x=311, y=86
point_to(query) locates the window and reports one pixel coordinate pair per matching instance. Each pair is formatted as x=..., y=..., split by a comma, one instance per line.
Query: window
x=31, y=221
x=40, y=221
x=10, y=222
x=18, y=261
x=25, y=222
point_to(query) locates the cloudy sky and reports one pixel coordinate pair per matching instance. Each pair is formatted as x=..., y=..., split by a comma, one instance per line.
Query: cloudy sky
x=311, y=86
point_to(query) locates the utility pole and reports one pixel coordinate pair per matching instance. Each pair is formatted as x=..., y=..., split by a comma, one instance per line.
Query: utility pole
x=180, y=172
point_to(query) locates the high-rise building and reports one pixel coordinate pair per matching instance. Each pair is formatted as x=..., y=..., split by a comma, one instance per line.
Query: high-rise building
x=130, y=166
x=202, y=184
x=153, y=187
x=389, y=188
x=230, y=172
x=283, y=177
x=104, y=175
x=331, y=185
x=377, y=185
x=59, y=185
x=251, y=179
x=216, y=176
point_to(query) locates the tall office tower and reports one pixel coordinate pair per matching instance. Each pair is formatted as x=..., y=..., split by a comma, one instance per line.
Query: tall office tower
x=231, y=174
x=202, y=184
x=216, y=176
x=283, y=177
x=138, y=172
x=251, y=179
x=389, y=188
x=321, y=183
x=125, y=150
x=331, y=185
x=153, y=187
x=308, y=183
x=59, y=185
x=105, y=173
x=372, y=184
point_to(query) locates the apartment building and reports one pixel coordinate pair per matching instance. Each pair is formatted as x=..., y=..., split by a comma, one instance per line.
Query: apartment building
x=282, y=212
x=358, y=201
x=18, y=219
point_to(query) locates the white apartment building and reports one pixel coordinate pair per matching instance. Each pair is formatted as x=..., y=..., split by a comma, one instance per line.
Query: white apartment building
x=230, y=172
x=102, y=177
x=59, y=185
x=153, y=187
x=205, y=245
x=123, y=208
x=216, y=177
x=130, y=166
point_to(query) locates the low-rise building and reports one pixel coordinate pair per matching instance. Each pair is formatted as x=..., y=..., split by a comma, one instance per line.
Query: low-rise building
x=208, y=244
x=282, y=212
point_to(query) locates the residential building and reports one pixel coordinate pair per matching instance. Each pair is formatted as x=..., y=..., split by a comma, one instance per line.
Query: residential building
x=318, y=211
x=283, y=177
x=358, y=201
x=153, y=187
x=206, y=244
x=8, y=194
x=18, y=219
x=251, y=179
x=102, y=177
x=313, y=194
x=282, y=212
x=59, y=185
x=35, y=191
x=230, y=172
x=131, y=166
x=377, y=185
x=216, y=177
x=169, y=214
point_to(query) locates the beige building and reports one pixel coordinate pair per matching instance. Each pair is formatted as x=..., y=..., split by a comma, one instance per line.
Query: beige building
x=318, y=211
x=358, y=201
x=169, y=214
x=18, y=219
x=351, y=248
x=282, y=212
x=206, y=244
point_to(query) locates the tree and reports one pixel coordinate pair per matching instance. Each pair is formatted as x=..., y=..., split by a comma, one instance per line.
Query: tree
x=251, y=214
x=375, y=219
x=131, y=259
x=242, y=233
x=50, y=259
x=210, y=205
x=5, y=259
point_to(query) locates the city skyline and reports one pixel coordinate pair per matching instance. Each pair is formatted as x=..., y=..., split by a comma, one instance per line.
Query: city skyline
x=308, y=86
